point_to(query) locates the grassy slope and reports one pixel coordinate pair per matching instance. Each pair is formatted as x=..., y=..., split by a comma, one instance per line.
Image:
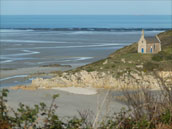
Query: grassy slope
x=166, y=39
x=127, y=58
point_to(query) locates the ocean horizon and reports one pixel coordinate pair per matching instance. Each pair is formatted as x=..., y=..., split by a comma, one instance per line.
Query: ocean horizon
x=86, y=22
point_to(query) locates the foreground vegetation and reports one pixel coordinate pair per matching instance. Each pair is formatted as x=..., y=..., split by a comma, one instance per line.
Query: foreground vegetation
x=146, y=110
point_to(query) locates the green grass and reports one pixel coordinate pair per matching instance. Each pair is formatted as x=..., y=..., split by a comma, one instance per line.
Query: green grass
x=127, y=58
x=166, y=40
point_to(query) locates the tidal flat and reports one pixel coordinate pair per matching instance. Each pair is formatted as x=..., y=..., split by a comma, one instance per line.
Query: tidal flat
x=23, y=52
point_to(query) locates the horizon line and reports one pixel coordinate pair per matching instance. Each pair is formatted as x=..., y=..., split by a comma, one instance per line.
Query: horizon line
x=85, y=14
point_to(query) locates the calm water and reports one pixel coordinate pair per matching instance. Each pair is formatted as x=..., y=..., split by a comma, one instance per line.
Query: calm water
x=86, y=21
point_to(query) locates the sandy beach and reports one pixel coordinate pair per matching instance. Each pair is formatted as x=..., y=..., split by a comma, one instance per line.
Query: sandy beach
x=78, y=90
x=68, y=103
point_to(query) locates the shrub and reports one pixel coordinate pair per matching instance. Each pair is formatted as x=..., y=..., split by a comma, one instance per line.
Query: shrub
x=150, y=66
x=162, y=56
x=157, y=57
x=146, y=110
x=168, y=57
x=89, y=69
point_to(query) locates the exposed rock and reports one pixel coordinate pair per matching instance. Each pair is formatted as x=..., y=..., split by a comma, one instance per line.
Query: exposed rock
x=102, y=80
x=167, y=76
x=139, y=66
x=105, y=62
x=123, y=60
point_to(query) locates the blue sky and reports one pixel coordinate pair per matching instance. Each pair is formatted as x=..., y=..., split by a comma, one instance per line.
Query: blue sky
x=80, y=7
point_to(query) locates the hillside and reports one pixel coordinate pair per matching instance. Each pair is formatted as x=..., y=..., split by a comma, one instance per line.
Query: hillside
x=127, y=58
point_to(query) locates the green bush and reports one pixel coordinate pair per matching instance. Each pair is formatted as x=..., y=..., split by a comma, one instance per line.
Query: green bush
x=29, y=117
x=89, y=69
x=150, y=66
x=157, y=57
x=168, y=57
x=166, y=116
x=162, y=56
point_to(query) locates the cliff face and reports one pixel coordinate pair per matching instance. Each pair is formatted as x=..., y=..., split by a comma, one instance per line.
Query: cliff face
x=124, y=68
x=134, y=79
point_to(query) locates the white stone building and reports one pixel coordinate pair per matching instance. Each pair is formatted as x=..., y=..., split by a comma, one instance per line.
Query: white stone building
x=149, y=44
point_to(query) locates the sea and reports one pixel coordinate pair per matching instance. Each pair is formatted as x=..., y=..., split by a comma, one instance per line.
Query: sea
x=28, y=41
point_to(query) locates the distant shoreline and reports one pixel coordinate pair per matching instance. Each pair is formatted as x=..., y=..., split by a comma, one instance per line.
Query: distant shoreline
x=90, y=29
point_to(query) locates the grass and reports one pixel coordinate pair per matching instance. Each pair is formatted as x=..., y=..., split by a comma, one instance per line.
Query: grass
x=166, y=39
x=55, y=65
x=7, y=69
x=127, y=58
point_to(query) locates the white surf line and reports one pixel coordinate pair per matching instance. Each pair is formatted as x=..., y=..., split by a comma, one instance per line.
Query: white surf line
x=6, y=61
x=30, y=52
x=84, y=58
x=27, y=52
x=17, y=76
x=67, y=60
x=95, y=45
x=10, y=57
x=75, y=59
x=31, y=41
x=14, y=30
x=82, y=46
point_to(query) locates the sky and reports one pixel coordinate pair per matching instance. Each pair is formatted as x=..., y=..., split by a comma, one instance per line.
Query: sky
x=86, y=7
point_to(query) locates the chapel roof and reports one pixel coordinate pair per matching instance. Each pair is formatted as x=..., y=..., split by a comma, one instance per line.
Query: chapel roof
x=151, y=39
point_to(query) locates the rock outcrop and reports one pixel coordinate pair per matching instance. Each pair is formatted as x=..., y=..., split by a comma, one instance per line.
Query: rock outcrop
x=134, y=79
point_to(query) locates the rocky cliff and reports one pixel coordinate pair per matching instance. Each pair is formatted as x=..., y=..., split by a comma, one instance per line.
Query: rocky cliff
x=134, y=79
